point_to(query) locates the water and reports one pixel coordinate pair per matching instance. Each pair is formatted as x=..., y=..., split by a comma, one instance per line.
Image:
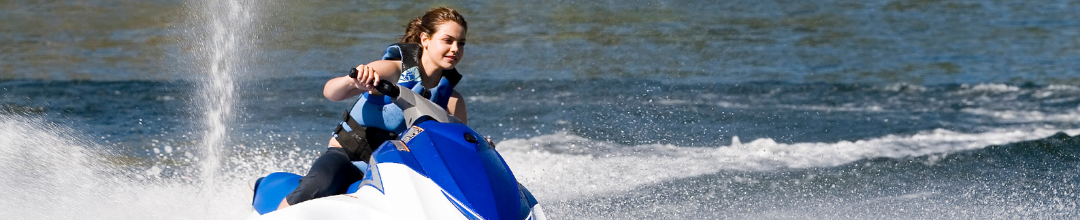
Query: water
x=229, y=25
x=604, y=109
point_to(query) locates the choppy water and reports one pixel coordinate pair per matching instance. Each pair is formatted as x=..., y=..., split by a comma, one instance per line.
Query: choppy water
x=605, y=110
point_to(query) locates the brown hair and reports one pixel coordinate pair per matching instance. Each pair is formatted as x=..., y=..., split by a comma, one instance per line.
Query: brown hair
x=426, y=23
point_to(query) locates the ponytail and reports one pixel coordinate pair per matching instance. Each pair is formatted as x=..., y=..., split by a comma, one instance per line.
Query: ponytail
x=412, y=31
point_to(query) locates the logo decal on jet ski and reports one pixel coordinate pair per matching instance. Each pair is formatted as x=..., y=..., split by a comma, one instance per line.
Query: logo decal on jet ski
x=411, y=133
x=375, y=179
x=400, y=145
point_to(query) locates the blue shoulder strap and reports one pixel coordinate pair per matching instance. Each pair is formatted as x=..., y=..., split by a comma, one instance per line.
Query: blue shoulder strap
x=393, y=52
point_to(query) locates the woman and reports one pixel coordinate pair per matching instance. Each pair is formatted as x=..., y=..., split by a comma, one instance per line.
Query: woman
x=425, y=59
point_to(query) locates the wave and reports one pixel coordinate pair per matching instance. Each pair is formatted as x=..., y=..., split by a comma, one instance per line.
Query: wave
x=1018, y=116
x=1046, y=153
x=1032, y=179
x=903, y=87
x=564, y=166
x=1062, y=87
x=988, y=87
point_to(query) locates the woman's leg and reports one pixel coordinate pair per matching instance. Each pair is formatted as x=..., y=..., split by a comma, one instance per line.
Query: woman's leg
x=330, y=174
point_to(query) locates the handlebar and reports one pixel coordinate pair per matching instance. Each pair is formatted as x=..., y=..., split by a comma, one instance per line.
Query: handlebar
x=387, y=88
x=384, y=87
x=414, y=106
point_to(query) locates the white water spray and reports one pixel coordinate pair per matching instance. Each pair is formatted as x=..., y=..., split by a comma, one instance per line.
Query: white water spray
x=227, y=45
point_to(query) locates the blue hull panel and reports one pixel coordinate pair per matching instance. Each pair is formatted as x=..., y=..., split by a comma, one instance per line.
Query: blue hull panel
x=273, y=188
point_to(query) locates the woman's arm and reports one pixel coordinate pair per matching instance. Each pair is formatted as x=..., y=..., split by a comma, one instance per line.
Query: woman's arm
x=456, y=106
x=343, y=87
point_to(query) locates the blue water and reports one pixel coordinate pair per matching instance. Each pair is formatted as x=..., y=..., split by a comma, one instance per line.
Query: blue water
x=605, y=109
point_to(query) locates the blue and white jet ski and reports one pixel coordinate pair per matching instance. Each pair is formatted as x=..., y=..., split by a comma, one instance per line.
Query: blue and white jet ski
x=438, y=169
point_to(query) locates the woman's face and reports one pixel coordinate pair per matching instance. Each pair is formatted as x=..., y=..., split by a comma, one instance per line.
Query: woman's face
x=447, y=46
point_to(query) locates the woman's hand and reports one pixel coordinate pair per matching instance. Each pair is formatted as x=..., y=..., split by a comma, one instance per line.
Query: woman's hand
x=366, y=78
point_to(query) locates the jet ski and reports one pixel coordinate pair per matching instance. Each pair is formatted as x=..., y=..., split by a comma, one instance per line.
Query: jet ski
x=437, y=169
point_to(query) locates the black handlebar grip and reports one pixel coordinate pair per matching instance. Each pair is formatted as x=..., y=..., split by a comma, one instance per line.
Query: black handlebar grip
x=387, y=88
x=384, y=87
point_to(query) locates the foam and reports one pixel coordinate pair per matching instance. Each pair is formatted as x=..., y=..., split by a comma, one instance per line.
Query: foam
x=1060, y=87
x=989, y=87
x=561, y=174
x=903, y=87
x=51, y=172
x=1015, y=116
